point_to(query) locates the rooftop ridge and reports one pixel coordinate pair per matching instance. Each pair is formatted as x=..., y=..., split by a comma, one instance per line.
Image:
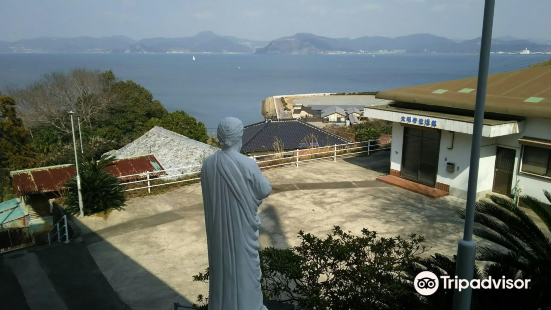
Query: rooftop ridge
x=325, y=131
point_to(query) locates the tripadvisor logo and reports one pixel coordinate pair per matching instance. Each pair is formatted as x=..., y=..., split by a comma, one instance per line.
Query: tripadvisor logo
x=426, y=283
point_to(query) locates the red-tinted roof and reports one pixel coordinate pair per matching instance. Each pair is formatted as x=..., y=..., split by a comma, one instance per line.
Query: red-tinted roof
x=51, y=179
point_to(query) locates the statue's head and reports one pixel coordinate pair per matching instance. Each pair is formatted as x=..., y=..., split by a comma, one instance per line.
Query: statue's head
x=230, y=132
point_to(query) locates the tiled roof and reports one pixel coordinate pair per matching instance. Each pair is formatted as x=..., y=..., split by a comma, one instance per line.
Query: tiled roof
x=171, y=149
x=260, y=137
x=331, y=110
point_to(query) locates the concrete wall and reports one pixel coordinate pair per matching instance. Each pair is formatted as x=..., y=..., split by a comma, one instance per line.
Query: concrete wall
x=529, y=184
x=460, y=154
x=396, y=147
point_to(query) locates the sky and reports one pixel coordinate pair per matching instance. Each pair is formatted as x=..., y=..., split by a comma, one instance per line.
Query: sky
x=269, y=19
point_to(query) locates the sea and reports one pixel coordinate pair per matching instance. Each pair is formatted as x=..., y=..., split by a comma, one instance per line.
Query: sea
x=214, y=86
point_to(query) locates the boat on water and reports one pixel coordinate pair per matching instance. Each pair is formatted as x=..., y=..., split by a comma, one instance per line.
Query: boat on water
x=193, y=57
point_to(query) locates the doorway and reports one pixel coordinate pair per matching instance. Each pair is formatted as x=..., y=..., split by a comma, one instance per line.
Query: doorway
x=503, y=171
x=420, y=155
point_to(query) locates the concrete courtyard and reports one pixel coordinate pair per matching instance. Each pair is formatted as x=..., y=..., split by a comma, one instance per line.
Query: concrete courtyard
x=150, y=251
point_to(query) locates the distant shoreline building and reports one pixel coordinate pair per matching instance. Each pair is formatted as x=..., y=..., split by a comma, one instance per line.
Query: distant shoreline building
x=433, y=125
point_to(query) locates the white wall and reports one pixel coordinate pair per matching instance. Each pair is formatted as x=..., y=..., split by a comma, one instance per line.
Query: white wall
x=530, y=185
x=461, y=152
x=396, y=147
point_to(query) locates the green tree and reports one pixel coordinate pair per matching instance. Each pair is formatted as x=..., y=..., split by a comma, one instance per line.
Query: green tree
x=371, y=130
x=101, y=191
x=527, y=247
x=127, y=119
x=16, y=151
x=182, y=123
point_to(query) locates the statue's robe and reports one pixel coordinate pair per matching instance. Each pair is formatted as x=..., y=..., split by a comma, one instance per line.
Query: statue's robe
x=233, y=188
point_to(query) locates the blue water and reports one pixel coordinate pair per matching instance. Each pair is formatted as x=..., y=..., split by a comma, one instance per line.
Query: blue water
x=216, y=86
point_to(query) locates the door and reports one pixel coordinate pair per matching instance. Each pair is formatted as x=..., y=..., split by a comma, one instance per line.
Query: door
x=420, y=155
x=503, y=173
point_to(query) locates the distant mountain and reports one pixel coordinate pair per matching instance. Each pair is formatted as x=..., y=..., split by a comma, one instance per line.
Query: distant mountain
x=203, y=42
x=305, y=43
x=67, y=45
x=300, y=43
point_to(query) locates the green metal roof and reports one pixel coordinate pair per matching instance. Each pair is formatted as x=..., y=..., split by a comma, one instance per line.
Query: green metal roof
x=12, y=215
x=10, y=204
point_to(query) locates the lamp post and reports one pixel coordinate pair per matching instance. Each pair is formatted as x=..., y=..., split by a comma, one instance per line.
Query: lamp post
x=80, y=204
x=80, y=136
x=466, y=247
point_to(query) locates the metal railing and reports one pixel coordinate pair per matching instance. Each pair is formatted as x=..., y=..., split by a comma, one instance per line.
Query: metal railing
x=58, y=229
x=270, y=160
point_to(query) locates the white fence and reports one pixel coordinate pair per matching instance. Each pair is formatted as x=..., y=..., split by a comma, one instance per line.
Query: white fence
x=270, y=160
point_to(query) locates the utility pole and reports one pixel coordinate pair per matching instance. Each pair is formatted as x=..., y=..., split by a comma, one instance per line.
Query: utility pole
x=80, y=135
x=80, y=204
x=466, y=247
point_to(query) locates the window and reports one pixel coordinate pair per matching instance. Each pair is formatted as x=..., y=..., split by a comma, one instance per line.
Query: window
x=536, y=160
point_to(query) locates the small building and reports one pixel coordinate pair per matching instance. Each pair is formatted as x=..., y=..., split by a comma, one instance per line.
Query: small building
x=305, y=112
x=333, y=114
x=171, y=149
x=354, y=111
x=14, y=223
x=37, y=188
x=433, y=125
x=275, y=136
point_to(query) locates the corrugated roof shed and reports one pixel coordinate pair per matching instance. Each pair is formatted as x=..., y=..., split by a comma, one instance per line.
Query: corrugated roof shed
x=11, y=215
x=331, y=110
x=10, y=210
x=524, y=92
x=51, y=179
x=260, y=137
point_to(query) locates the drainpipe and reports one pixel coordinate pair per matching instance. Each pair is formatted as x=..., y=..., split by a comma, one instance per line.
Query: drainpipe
x=466, y=247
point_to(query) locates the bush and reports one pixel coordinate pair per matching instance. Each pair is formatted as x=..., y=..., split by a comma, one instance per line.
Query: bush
x=342, y=271
x=101, y=191
x=371, y=130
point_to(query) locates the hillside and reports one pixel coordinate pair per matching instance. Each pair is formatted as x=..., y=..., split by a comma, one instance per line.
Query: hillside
x=305, y=43
x=300, y=43
x=203, y=42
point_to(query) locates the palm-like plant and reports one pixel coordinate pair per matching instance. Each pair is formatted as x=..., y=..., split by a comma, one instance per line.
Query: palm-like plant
x=101, y=191
x=525, y=251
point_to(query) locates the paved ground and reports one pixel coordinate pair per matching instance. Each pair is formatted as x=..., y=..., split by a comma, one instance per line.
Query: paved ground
x=60, y=277
x=150, y=251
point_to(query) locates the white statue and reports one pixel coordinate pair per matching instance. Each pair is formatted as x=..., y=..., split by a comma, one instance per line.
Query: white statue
x=233, y=188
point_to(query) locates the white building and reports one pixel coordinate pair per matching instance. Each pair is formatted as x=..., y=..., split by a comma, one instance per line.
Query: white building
x=433, y=125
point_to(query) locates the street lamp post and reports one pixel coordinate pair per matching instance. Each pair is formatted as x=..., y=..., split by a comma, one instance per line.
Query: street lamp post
x=80, y=204
x=80, y=136
x=467, y=247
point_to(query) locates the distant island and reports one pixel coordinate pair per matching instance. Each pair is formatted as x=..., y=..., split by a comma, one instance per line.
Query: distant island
x=300, y=43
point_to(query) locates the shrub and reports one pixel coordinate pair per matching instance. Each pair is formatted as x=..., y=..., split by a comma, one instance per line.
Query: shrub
x=341, y=271
x=371, y=130
x=101, y=191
